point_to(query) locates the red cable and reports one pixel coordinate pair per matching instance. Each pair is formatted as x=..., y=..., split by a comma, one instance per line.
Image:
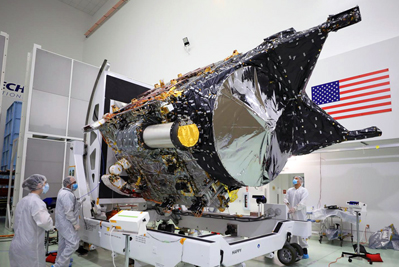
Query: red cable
x=334, y=261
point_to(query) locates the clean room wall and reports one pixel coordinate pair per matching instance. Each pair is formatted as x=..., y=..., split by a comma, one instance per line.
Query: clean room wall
x=369, y=176
x=143, y=40
x=56, y=26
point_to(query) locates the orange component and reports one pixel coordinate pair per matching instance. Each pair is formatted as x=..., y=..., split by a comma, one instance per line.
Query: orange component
x=111, y=214
x=152, y=200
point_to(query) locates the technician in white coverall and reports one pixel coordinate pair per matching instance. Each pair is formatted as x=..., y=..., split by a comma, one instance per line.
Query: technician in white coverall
x=295, y=199
x=31, y=220
x=67, y=222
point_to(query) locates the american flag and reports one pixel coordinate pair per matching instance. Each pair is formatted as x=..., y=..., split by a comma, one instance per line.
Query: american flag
x=360, y=95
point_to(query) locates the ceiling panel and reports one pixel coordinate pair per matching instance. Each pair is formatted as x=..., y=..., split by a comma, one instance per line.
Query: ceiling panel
x=88, y=6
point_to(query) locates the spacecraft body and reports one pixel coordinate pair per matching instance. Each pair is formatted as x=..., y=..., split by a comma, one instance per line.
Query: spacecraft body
x=233, y=123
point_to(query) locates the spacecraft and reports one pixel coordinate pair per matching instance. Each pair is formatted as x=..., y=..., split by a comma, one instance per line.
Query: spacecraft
x=234, y=123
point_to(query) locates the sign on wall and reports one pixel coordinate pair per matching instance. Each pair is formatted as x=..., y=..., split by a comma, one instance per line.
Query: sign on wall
x=13, y=90
x=360, y=88
x=360, y=95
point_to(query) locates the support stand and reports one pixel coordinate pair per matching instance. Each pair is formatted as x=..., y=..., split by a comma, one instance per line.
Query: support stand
x=260, y=199
x=357, y=254
x=127, y=249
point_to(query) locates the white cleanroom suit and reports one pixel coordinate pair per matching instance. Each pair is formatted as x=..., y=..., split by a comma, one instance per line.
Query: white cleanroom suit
x=66, y=221
x=31, y=220
x=296, y=198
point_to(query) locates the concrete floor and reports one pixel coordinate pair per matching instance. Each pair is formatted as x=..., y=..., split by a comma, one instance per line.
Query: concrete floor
x=320, y=255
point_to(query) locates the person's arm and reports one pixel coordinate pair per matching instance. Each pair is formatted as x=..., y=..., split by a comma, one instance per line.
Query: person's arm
x=43, y=219
x=302, y=204
x=286, y=202
x=69, y=205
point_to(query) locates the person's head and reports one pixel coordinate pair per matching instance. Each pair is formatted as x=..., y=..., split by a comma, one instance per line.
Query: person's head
x=298, y=181
x=70, y=182
x=36, y=183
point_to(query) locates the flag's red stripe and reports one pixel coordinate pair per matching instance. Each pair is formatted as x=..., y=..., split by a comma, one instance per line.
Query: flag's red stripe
x=358, y=102
x=363, y=75
x=365, y=94
x=363, y=114
x=364, y=81
x=364, y=88
x=359, y=108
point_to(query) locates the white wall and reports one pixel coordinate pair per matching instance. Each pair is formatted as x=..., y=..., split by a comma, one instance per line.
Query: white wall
x=369, y=176
x=144, y=39
x=56, y=26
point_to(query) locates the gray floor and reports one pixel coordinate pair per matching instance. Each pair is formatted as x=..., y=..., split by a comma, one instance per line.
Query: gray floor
x=320, y=255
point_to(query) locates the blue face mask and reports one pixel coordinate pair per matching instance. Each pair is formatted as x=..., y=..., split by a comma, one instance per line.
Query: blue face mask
x=294, y=181
x=46, y=188
x=74, y=187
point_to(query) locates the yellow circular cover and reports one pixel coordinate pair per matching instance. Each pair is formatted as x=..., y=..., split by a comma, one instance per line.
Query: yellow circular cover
x=188, y=135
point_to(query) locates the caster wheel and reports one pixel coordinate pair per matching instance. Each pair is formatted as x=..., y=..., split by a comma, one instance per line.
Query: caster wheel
x=287, y=255
x=299, y=251
x=350, y=260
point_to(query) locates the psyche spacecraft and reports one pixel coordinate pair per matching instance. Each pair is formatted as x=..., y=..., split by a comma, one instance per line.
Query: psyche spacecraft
x=233, y=123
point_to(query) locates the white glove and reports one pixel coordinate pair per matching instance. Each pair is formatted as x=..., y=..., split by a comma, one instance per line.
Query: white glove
x=291, y=210
x=77, y=227
x=81, y=200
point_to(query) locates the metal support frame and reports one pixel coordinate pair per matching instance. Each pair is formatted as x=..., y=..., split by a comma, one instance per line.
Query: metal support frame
x=94, y=172
x=23, y=130
x=127, y=249
x=341, y=237
x=8, y=223
x=26, y=134
x=358, y=254
x=169, y=249
x=3, y=66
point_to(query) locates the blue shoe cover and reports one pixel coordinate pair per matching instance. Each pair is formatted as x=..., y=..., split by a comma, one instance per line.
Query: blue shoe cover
x=305, y=256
